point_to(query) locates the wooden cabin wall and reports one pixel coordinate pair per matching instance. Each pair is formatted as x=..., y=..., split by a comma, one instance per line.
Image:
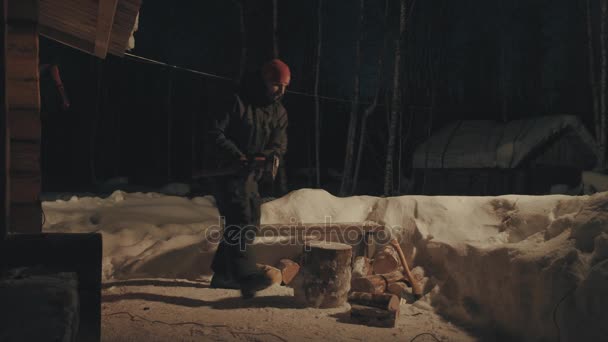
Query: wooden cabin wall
x=23, y=97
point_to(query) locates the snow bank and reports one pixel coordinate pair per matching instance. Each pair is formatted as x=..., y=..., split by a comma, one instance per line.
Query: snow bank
x=508, y=263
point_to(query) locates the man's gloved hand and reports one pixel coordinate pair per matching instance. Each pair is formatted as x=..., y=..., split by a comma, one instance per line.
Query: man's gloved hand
x=252, y=162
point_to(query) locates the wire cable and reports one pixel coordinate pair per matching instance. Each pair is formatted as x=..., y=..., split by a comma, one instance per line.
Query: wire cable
x=224, y=78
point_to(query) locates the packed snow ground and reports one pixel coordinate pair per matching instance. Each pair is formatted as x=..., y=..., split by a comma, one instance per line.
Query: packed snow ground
x=529, y=267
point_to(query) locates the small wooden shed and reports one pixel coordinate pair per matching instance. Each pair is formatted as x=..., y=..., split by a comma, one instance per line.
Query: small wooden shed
x=482, y=157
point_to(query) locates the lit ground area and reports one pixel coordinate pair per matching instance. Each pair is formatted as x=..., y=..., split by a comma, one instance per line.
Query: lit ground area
x=171, y=310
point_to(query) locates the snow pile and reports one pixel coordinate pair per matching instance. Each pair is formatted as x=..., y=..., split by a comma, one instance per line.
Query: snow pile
x=508, y=263
x=144, y=235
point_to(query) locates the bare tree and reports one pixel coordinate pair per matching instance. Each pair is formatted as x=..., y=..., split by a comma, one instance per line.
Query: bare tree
x=352, y=124
x=371, y=107
x=316, y=93
x=243, y=61
x=395, y=105
x=602, y=140
x=275, y=24
x=592, y=75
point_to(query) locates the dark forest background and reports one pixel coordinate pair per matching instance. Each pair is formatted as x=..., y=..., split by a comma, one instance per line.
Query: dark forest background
x=468, y=59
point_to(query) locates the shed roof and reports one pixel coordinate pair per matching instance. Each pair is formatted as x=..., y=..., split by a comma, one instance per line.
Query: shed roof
x=490, y=144
x=97, y=27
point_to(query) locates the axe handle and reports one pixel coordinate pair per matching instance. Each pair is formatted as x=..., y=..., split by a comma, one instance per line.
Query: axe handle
x=415, y=285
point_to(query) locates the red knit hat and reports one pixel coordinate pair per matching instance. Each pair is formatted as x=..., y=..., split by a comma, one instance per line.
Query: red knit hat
x=276, y=71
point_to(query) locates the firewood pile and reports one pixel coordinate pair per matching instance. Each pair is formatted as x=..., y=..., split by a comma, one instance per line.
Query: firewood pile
x=383, y=281
x=325, y=277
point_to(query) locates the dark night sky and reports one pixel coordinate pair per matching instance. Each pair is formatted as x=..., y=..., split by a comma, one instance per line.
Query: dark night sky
x=483, y=59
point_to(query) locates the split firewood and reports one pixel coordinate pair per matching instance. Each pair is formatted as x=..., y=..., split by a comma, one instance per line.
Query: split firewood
x=289, y=269
x=397, y=288
x=324, y=277
x=386, y=260
x=376, y=283
x=271, y=272
x=383, y=301
x=362, y=267
x=373, y=316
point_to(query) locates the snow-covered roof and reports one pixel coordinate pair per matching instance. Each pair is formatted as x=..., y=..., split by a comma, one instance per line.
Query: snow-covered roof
x=490, y=144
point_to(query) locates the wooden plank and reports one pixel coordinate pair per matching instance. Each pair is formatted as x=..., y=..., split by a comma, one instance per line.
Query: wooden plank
x=26, y=218
x=105, y=21
x=67, y=39
x=23, y=93
x=25, y=157
x=24, y=188
x=126, y=12
x=24, y=124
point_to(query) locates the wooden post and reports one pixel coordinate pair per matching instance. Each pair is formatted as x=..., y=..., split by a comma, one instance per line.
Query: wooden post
x=23, y=99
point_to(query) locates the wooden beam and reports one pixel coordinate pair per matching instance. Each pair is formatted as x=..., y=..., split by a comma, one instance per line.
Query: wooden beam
x=105, y=21
x=23, y=115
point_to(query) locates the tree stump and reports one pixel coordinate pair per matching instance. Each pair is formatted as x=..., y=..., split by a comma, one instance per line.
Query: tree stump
x=325, y=274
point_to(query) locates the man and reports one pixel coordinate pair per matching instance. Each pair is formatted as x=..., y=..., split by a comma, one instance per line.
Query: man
x=252, y=131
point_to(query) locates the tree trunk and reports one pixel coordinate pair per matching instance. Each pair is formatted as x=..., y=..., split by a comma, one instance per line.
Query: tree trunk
x=98, y=64
x=602, y=142
x=372, y=107
x=316, y=93
x=169, y=124
x=324, y=277
x=592, y=76
x=395, y=105
x=275, y=24
x=352, y=124
x=243, y=61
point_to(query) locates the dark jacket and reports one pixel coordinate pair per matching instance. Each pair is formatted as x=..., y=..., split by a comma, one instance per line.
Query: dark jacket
x=250, y=124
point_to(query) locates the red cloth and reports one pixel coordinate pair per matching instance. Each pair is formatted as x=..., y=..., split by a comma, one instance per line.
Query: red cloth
x=276, y=71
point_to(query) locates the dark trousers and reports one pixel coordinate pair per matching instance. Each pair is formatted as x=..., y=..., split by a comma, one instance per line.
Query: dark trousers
x=238, y=202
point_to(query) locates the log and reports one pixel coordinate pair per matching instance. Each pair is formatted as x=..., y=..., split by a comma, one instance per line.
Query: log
x=362, y=267
x=376, y=283
x=397, y=289
x=324, y=277
x=289, y=269
x=271, y=272
x=383, y=301
x=386, y=260
x=373, y=316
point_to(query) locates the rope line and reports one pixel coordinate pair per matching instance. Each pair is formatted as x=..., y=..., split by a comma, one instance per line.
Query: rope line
x=224, y=78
